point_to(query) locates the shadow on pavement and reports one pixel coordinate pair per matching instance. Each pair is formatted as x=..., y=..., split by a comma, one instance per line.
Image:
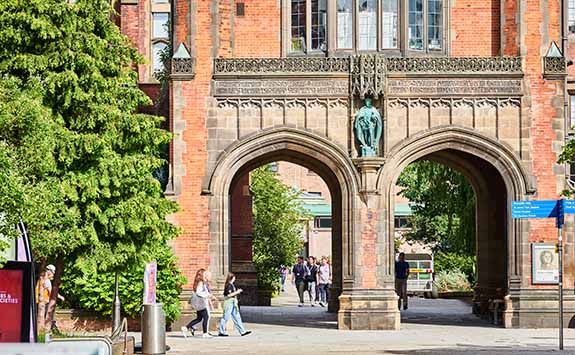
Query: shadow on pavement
x=449, y=312
x=470, y=350
x=290, y=316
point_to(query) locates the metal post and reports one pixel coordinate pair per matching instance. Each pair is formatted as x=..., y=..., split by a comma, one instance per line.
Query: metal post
x=116, y=321
x=560, y=252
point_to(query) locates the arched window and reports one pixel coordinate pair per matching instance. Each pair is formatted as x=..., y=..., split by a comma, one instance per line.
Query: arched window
x=320, y=27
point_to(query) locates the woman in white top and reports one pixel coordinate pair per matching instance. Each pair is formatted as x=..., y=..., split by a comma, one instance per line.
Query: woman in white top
x=324, y=280
x=203, y=313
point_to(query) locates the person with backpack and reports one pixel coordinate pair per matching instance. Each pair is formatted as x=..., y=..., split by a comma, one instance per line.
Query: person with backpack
x=299, y=274
x=200, y=301
x=324, y=280
x=231, y=308
x=312, y=280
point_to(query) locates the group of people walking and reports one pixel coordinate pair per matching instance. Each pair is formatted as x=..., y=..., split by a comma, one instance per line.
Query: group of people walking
x=307, y=275
x=312, y=278
x=202, y=302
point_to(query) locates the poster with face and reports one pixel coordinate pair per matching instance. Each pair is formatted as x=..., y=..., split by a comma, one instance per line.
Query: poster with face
x=150, y=274
x=544, y=263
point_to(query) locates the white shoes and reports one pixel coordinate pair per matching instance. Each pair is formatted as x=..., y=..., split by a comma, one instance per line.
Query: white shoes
x=207, y=335
x=184, y=331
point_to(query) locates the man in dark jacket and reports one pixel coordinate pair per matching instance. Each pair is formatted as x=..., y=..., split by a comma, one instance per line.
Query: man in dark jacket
x=299, y=275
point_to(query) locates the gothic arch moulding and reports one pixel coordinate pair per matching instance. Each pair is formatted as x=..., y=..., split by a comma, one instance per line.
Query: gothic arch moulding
x=288, y=144
x=463, y=142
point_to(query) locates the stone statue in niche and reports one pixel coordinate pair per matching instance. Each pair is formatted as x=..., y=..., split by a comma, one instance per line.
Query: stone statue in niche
x=368, y=128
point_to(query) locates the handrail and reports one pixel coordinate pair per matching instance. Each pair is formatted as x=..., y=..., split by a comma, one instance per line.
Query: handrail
x=116, y=334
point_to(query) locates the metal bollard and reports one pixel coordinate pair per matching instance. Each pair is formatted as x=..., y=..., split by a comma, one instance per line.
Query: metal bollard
x=153, y=329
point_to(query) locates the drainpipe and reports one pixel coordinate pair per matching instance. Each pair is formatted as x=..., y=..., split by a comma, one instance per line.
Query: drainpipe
x=566, y=113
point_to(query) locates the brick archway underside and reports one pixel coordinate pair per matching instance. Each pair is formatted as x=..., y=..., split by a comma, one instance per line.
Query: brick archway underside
x=497, y=178
x=299, y=147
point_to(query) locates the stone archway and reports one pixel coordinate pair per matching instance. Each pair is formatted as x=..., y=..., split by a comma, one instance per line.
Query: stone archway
x=329, y=161
x=497, y=178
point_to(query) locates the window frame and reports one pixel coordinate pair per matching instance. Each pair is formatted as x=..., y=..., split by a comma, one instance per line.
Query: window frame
x=444, y=35
x=317, y=222
x=331, y=30
x=154, y=7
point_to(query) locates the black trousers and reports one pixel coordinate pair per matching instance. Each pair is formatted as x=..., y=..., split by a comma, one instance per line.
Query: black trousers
x=203, y=316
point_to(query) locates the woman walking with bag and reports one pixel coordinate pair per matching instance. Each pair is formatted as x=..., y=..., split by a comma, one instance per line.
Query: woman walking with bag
x=231, y=308
x=200, y=302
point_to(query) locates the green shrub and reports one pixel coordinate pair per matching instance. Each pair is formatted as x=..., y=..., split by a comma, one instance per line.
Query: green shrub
x=453, y=280
x=443, y=261
x=95, y=291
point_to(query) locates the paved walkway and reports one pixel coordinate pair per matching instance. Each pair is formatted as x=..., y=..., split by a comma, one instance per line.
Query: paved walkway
x=428, y=327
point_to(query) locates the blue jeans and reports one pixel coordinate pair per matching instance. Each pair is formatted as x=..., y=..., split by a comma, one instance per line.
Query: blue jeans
x=323, y=292
x=231, y=309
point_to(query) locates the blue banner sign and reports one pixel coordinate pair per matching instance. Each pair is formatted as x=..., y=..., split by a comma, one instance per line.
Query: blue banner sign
x=534, y=209
x=568, y=206
x=543, y=209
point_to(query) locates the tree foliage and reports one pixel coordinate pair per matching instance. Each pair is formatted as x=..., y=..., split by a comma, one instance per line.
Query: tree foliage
x=443, y=207
x=78, y=161
x=278, y=223
x=95, y=291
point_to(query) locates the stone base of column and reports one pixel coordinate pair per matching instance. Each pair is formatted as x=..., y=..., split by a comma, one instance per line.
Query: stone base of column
x=531, y=308
x=368, y=309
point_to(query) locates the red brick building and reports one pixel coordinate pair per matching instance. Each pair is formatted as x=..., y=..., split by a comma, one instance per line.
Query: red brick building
x=468, y=83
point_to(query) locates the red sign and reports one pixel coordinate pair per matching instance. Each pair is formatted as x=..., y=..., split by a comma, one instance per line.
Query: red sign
x=10, y=305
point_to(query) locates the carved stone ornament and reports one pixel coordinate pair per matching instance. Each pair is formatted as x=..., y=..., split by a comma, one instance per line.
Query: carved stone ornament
x=368, y=128
x=554, y=64
x=455, y=65
x=240, y=66
x=183, y=64
x=368, y=75
x=554, y=67
x=182, y=67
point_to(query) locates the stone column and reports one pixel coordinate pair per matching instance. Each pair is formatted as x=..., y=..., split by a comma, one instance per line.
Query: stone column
x=371, y=303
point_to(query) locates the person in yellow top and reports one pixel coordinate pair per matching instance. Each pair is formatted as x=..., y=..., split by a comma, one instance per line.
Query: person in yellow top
x=43, y=292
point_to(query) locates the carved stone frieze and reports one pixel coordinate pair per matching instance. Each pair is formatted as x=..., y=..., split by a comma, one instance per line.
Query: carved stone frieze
x=419, y=65
x=454, y=102
x=279, y=88
x=455, y=65
x=284, y=103
x=280, y=65
x=453, y=86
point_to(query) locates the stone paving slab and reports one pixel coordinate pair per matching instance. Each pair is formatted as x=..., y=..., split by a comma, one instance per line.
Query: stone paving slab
x=428, y=327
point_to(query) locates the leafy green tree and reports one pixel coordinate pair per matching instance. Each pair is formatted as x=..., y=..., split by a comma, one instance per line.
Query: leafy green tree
x=278, y=222
x=88, y=195
x=443, y=207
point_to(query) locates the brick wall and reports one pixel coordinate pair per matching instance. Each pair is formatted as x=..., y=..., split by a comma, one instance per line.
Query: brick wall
x=305, y=179
x=257, y=34
x=546, y=112
x=135, y=22
x=475, y=28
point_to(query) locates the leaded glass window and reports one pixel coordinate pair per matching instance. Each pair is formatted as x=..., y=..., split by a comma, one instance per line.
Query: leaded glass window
x=318, y=24
x=571, y=16
x=389, y=17
x=434, y=24
x=298, y=25
x=415, y=26
x=345, y=24
x=368, y=25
